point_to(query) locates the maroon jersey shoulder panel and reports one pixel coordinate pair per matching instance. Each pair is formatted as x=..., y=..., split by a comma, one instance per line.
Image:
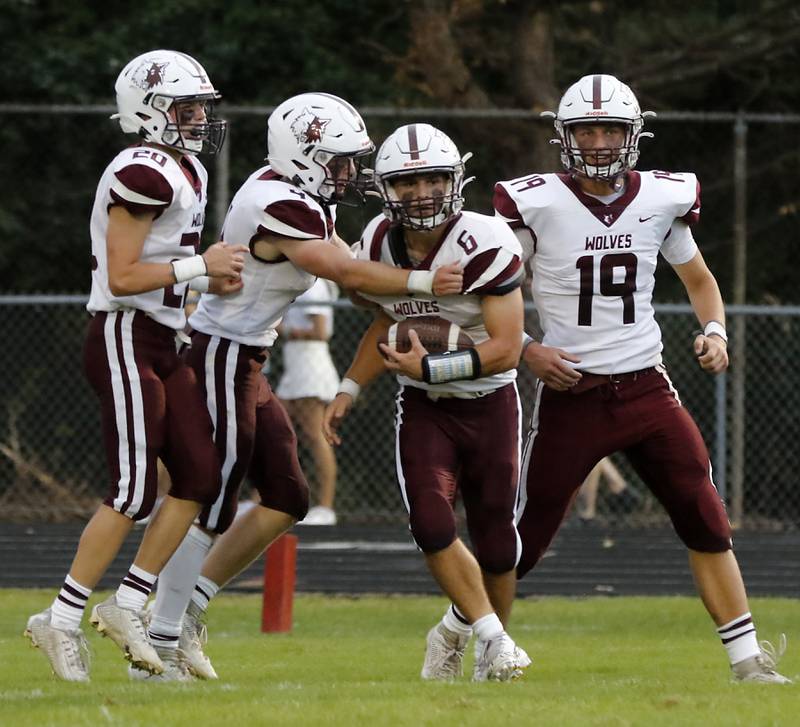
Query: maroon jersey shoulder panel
x=477, y=266
x=145, y=181
x=377, y=240
x=299, y=216
x=510, y=278
x=507, y=207
x=693, y=215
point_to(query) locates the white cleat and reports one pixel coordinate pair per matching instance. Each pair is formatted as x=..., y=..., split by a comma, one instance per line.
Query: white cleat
x=499, y=660
x=319, y=515
x=761, y=667
x=126, y=629
x=444, y=654
x=67, y=651
x=191, y=641
x=175, y=668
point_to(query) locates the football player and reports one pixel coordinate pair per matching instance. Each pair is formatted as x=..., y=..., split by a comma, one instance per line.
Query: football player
x=596, y=231
x=458, y=414
x=285, y=212
x=145, y=229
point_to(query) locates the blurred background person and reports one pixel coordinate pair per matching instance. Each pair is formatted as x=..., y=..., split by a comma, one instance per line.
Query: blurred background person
x=624, y=499
x=309, y=382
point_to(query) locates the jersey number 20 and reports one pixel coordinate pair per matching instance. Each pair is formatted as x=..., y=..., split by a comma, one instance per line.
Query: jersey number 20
x=623, y=289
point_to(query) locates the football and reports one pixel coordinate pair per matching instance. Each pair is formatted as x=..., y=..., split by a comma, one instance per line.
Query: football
x=437, y=335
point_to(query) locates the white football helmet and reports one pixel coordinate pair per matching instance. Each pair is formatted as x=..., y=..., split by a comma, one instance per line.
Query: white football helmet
x=310, y=135
x=420, y=149
x=148, y=91
x=594, y=99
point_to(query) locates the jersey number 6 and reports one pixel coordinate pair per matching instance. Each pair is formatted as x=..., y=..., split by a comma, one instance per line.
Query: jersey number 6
x=624, y=289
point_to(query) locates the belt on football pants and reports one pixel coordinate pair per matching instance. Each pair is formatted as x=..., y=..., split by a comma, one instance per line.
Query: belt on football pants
x=592, y=381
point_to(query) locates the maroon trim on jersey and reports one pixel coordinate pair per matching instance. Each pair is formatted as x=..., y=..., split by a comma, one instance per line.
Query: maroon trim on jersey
x=608, y=214
x=505, y=206
x=146, y=181
x=190, y=172
x=270, y=176
x=693, y=215
x=597, y=92
x=413, y=144
x=504, y=282
x=428, y=261
x=377, y=240
x=298, y=215
x=478, y=266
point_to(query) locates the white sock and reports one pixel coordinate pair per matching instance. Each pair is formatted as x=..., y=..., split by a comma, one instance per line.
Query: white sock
x=204, y=591
x=135, y=588
x=488, y=627
x=176, y=586
x=739, y=638
x=68, y=607
x=454, y=621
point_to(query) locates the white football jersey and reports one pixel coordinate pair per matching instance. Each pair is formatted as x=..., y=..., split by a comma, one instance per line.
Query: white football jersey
x=264, y=204
x=144, y=178
x=490, y=256
x=593, y=263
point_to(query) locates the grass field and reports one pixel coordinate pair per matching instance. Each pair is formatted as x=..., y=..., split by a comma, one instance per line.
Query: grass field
x=598, y=661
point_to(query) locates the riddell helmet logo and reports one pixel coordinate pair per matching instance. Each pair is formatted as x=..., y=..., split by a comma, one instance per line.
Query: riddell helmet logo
x=149, y=74
x=308, y=128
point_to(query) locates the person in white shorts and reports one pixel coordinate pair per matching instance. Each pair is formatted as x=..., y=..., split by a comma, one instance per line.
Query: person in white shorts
x=308, y=383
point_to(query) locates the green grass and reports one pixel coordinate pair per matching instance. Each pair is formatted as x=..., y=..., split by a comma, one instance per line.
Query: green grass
x=356, y=661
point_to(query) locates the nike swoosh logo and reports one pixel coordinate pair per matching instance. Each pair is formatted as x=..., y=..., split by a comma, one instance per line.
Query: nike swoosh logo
x=644, y=219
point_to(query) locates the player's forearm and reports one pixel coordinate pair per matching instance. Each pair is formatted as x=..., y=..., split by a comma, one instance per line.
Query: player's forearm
x=140, y=278
x=706, y=300
x=373, y=279
x=499, y=354
x=368, y=362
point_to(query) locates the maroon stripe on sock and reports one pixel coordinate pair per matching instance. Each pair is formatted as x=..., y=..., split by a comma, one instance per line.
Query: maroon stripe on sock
x=203, y=593
x=136, y=587
x=74, y=592
x=736, y=625
x=458, y=616
x=80, y=606
x=162, y=637
x=738, y=636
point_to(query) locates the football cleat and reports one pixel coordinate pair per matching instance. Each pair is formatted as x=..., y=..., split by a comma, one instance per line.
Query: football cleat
x=175, y=668
x=67, y=651
x=499, y=660
x=444, y=654
x=319, y=515
x=761, y=667
x=193, y=637
x=126, y=629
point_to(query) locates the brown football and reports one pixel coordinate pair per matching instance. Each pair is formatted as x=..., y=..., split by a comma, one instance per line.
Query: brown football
x=437, y=335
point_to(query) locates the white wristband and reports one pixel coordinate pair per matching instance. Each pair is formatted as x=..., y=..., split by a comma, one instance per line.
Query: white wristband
x=200, y=284
x=526, y=341
x=189, y=268
x=420, y=281
x=349, y=387
x=715, y=328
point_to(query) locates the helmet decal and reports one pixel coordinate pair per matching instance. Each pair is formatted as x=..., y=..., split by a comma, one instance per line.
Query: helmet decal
x=308, y=128
x=149, y=74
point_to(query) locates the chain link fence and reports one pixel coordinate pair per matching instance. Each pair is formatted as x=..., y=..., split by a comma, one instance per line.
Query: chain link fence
x=52, y=463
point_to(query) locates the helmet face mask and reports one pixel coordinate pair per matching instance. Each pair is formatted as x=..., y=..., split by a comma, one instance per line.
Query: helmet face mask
x=413, y=158
x=154, y=91
x=599, y=100
x=320, y=143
